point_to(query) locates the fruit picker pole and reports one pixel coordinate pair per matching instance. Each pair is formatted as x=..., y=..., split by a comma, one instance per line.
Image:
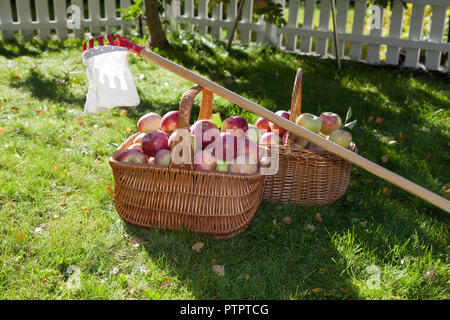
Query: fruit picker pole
x=250, y=106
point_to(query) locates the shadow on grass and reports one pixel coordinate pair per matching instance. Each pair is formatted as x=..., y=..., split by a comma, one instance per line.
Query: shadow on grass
x=268, y=261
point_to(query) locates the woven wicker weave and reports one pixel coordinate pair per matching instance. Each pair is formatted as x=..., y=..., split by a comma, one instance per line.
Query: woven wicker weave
x=175, y=197
x=306, y=177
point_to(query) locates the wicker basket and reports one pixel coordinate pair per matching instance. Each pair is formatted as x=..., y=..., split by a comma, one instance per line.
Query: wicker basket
x=177, y=197
x=306, y=177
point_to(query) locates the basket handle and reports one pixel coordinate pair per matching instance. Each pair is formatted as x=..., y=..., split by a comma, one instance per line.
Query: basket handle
x=184, y=112
x=296, y=102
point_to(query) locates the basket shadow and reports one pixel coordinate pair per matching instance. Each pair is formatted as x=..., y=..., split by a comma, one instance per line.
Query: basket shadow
x=270, y=260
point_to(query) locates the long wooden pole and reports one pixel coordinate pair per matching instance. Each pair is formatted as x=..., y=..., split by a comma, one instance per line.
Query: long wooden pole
x=348, y=155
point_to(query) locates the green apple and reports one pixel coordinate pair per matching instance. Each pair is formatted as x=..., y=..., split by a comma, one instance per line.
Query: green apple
x=310, y=122
x=341, y=137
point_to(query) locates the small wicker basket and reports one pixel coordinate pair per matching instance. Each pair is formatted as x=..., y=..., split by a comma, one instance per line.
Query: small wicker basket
x=306, y=177
x=177, y=197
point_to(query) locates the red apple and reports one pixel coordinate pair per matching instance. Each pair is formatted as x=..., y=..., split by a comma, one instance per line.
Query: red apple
x=162, y=157
x=169, y=122
x=269, y=138
x=139, y=138
x=247, y=149
x=341, y=137
x=132, y=156
x=153, y=142
x=263, y=125
x=330, y=122
x=149, y=122
x=274, y=127
x=204, y=132
x=310, y=122
x=244, y=165
x=226, y=146
x=204, y=160
x=236, y=125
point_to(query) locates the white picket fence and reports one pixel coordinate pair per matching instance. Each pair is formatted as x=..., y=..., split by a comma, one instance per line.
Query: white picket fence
x=309, y=38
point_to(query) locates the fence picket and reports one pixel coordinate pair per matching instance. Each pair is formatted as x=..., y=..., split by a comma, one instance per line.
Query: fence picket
x=395, y=31
x=110, y=14
x=358, y=28
x=126, y=24
x=42, y=16
x=189, y=13
x=24, y=16
x=6, y=19
x=247, y=13
x=324, y=24
x=373, y=50
x=216, y=30
x=79, y=32
x=433, y=58
x=94, y=16
x=415, y=33
x=60, y=18
x=291, y=39
x=308, y=24
x=202, y=14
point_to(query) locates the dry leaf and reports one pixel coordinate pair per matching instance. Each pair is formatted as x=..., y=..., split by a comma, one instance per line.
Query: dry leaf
x=403, y=136
x=123, y=112
x=198, y=246
x=20, y=236
x=15, y=108
x=318, y=217
x=310, y=227
x=110, y=191
x=379, y=120
x=214, y=261
x=275, y=222
x=387, y=192
x=370, y=119
x=385, y=158
x=343, y=291
x=85, y=209
x=324, y=270
x=79, y=119
x=128, y=129
x=429, y=276
x=219, y=269
x=428, y=155
x=316, y=290
x=40, y=111
x=287, y=220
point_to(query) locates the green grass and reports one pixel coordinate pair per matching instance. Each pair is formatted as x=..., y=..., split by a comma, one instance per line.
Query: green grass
x=56, y=213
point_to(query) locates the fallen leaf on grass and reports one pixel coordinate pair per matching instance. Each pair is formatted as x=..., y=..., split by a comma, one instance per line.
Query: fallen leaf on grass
x=79, y=119
x=428, y=155
x=310, y=227
x=403, y=136
x=214, y=261
x=219, y=269
x=123, y=112
x=85, y=209
x=136, y=241
x=318, y=217
x=370, y=119
x=429, y=276
x=128, y=129
x=198, y=246
x=110, y=191
x=15, y=108
x=387, y=191
x=316, y=290
x=379, y=120
x=20, y=236
x=40, y=111
x=385, y=158
x=324, y=270
x=287, y=220
x=343, y=291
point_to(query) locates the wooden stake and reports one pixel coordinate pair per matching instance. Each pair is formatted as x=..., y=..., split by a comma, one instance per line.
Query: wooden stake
x=250, y=106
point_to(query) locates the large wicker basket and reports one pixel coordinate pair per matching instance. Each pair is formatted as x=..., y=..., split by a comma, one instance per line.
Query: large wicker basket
x=306, y=177
x=177, y=197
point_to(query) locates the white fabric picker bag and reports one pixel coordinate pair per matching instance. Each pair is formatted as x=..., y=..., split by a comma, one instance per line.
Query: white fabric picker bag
x=110, y=81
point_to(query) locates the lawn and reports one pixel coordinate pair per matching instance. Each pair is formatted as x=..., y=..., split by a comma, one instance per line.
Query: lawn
x=61, y=238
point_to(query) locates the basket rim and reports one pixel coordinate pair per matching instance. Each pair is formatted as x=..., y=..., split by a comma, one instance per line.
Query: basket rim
x=187, y=170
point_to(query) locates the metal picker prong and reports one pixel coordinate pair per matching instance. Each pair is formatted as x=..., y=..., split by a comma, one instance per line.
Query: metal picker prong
x=110, y=39
x=100, y=40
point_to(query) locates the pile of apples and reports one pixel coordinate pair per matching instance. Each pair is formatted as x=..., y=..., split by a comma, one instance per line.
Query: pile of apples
x=236, y=146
